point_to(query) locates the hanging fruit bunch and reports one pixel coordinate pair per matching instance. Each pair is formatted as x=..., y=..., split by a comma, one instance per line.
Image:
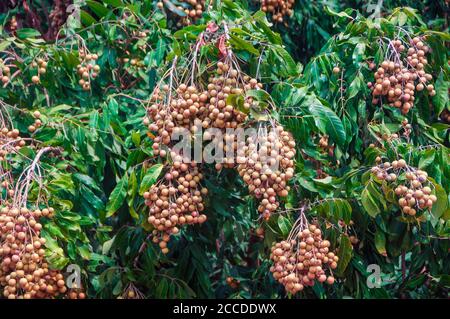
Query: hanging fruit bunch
x=221, y=99
x=40, y=65
x=6, y=64
x=303, y=258
x=24, y=272
x=228, y=80
x=37, y=122
x=174, y=201
x=192, y=10
x=415, y=194
x=76, y=292
x=279, y=9
x=10, y=140
x=87, y=69
x=402, y=73
x=192, y=106
x=268, y=165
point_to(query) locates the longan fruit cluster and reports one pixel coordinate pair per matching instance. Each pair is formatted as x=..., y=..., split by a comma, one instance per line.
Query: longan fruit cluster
x=134, y=63
x=76, y=293
x=37, y=122
x=41, y=66
x=174, y=115
x=224, y=82
x=140, y=34
x=88, y=69
x=398, y=79
x=10, y=141
x=189, y=105
x=192, y=8
x=5, y=72
x=175, y=201
x=186, y=105
x=222, y=115
x=415, y=194
x=266, y=167
x=302, y=260
x=278, y=8
x=24, y=273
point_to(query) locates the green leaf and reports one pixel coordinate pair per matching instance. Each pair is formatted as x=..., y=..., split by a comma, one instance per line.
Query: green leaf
x=86, y=18
x=380, y=242
x=289, y=63
x=327, y=121
x=150, y=178
x=241, y=44
x=173, y=8
x=440, y=100
x=345, y=254
x=84, y=251
x=99, y=9
x=442, y=201
x=285, y=225
x=24, y=33
x=369, y=203
x=427, y=158
x=87, y=180
x=117, y=196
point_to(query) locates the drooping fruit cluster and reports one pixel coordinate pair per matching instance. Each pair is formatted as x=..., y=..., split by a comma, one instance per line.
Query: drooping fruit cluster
x=227, y=80
x=303, y=259
x=10, y=141
x=415, y=194
x=88, y=69
x=192, y=108
x=224, y=115
x=183, y=102
x=134, y=63
x=266, y=164
x=173, y=111
x=193, y=10
x=24, y=273
x=37, y=122
x=5, y=72
x=174, y=201
x=41, y=66
x=76, y=293
x=398, y=78
x=280, y=9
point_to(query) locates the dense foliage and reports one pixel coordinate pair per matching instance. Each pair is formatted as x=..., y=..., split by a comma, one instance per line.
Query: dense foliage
x=370, y=177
